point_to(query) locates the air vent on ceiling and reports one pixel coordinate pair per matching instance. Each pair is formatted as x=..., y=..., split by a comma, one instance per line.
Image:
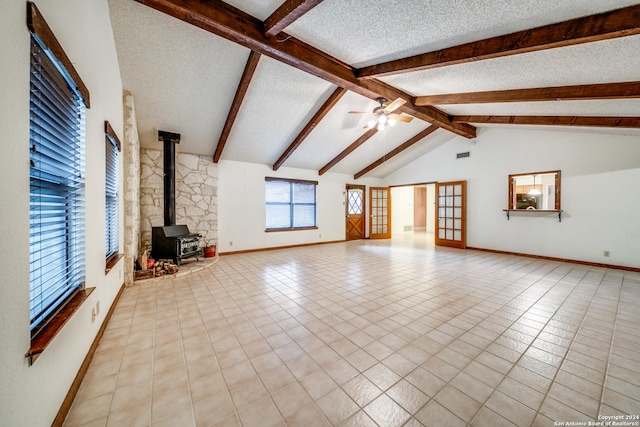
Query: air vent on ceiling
x=462, y=155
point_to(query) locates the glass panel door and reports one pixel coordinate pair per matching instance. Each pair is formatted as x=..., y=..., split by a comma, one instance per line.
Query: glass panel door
x=380, y=213
x=451, y=214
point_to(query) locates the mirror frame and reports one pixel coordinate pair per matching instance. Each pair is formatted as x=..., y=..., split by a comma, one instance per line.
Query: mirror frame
x=512, y=189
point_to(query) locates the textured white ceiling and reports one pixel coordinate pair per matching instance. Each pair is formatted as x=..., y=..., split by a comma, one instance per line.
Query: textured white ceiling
x=184, y=79
x=279, y=102
x=365, y=32
x=608, y=61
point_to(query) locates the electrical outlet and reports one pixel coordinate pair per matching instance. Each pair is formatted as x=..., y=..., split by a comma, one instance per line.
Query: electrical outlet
x=319, y=236
x=120, y=274
x=93, y=314
x=606, y=254
x=230, y=243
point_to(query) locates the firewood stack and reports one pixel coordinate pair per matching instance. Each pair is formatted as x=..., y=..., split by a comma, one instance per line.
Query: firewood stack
x=160, y=268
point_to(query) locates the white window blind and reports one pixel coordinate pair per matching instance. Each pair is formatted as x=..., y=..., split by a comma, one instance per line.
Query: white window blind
x=112, y=180
x=56, y=217
x=290, y=204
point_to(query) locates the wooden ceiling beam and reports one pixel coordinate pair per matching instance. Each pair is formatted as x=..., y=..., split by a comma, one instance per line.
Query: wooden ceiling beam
x=286, y=14
x=590, y=121
x=245, y=80
x=232, y=24
x=560, y=93
x=350, y=149
x=399, y=149
x=310, y=126
x=617, y=23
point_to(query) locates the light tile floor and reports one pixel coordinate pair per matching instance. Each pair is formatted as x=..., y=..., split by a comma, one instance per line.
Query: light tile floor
x=367, y=333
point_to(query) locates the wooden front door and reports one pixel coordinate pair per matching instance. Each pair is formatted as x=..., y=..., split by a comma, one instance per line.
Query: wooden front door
x=379, y=213
x=355, y=211
x=451, y=203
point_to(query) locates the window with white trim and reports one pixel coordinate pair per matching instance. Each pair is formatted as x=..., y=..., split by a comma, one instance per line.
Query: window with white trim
x=290, y=204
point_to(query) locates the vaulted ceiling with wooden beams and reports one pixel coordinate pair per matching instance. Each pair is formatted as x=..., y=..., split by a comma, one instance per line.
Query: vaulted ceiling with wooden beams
x=276, y=82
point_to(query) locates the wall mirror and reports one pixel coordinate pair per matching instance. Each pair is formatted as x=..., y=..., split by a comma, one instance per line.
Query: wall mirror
x=535, y=191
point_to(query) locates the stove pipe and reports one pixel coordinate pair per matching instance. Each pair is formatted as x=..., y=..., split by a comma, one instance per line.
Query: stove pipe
x=169, y=140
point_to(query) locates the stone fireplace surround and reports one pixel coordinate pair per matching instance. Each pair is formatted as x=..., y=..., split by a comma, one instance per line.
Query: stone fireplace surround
x=196, y=195
x=196, y=192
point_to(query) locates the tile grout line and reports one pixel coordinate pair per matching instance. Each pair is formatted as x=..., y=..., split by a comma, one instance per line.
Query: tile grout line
x=611, y=341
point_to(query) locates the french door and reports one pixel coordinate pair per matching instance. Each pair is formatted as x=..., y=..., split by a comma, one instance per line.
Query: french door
x=451, y=203
x=379, y=213
x=355, y=204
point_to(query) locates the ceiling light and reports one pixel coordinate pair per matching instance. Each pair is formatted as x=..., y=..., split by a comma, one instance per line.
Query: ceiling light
x=381, y=120
x=534, y=191
x=384, y=115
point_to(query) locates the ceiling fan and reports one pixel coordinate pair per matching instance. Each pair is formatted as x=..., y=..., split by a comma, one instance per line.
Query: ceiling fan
x=384, y=115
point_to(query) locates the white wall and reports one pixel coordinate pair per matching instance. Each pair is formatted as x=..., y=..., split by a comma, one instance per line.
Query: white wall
x=241, y=206
x=32, y=395
x=600, y=192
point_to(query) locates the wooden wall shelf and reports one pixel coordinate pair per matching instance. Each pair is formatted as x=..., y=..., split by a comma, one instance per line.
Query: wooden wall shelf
x=534, y=211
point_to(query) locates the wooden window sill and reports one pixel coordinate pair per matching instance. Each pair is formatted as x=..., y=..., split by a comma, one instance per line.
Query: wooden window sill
x=111, y=262
x=42, y=339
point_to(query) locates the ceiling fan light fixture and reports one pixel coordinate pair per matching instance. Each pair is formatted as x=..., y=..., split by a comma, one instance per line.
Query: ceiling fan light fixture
x=384, y=115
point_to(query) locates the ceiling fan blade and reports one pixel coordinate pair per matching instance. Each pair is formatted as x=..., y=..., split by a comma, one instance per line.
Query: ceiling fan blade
x=400, y=118
x=395, y=105
x=359, y=112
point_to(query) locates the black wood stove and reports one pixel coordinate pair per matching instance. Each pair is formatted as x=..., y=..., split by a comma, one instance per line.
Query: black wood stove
x=172, y=241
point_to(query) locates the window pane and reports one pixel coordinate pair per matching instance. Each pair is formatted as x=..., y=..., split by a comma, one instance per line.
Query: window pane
x=278, y=216
x=278, y=191
x=354, y=199
x=304, y=215
x=304, y=193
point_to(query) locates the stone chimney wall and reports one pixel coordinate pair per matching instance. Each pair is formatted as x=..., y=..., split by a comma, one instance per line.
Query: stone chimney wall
x=131, y=176
x=196, y=195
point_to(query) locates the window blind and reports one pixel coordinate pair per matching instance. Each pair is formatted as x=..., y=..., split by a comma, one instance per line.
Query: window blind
x=56, y=197
x=111, y=198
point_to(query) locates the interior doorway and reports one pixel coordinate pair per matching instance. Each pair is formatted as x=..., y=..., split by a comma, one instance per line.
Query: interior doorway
x=420, y=208
x=413, y=209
